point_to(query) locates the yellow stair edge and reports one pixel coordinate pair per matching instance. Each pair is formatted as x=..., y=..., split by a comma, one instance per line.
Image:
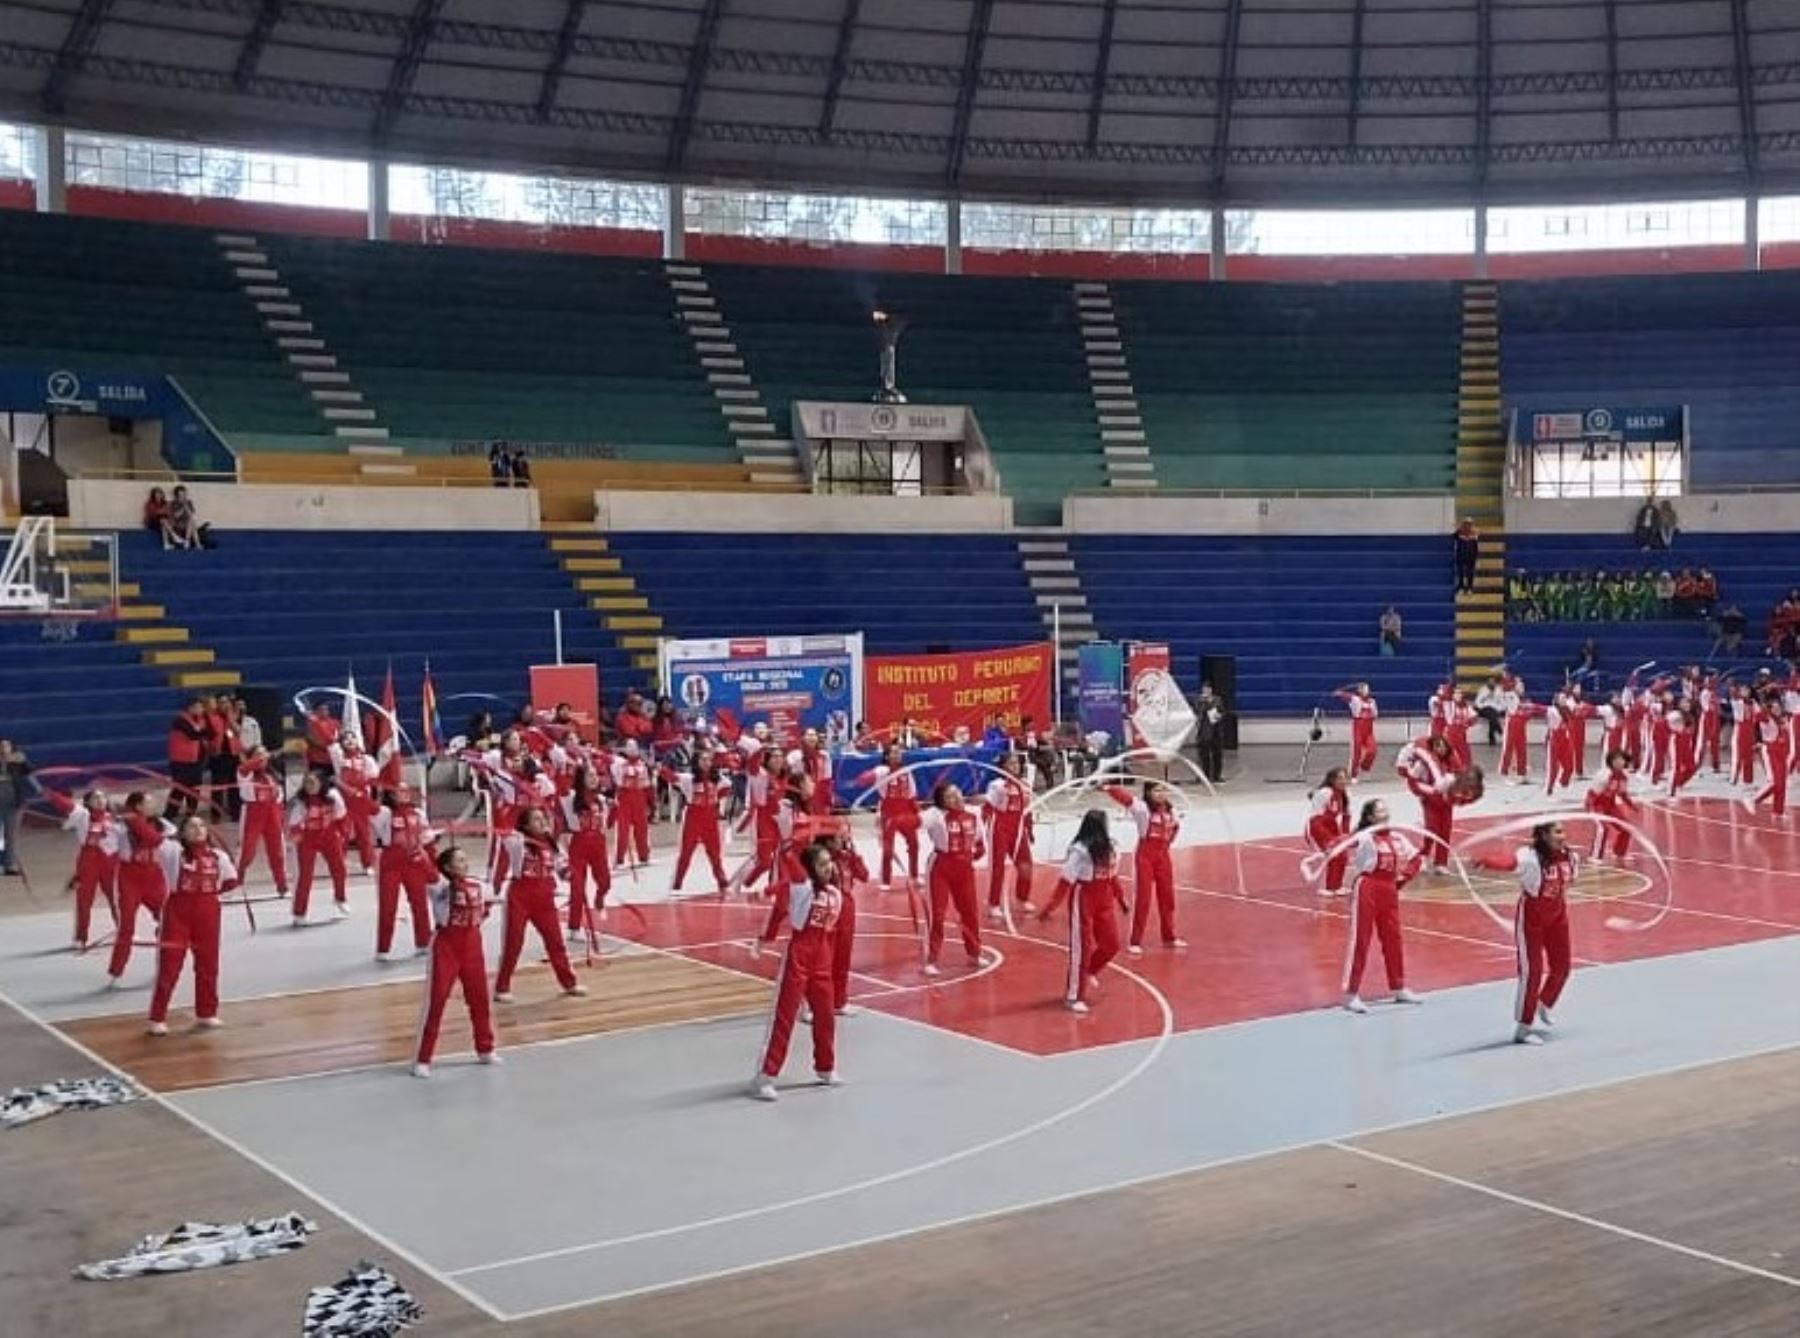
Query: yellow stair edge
x=633, y=622
x=644, y=661
x=578, y=545
x=620, y=585
x=98, y=589
x=143, y=636
x=581, y=564
x=638, y=642
x=141, y=613
x=86, y=567
x=619, y=603
x=183, y=655
x=206, y=678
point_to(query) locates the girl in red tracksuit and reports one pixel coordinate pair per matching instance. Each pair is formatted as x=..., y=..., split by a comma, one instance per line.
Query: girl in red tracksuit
x=955, y=836
x=197, y=874
x=897, y=816
x=1363, y=714
x=459, y=903
x=317, y=818
x=259, y=818
x=1612, y=798
x=141, y=881
x=1153, y=874
x=585, y=810
x=849, y=870
x=356, y=776
x=814, y=907
x=1547, y=869
x=1090, y=883
x=1743, y=736
x=797, y=827
x=766, y=790
x=1381, y=864
x=1009, y=837
x=1518, y=710
x=1777, y=745
x=1684, y=748
x=99, y=838
x=1329, y=823
x=701, y=791
x=408, y=855
x=1426, y=770
x=1559, y=745
x=633, y=789
x=530, y=860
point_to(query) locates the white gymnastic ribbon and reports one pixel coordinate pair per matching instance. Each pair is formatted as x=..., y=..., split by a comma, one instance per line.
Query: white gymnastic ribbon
x=1569, y=817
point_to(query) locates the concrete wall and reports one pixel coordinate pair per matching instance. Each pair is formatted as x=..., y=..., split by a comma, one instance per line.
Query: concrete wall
x=119, y=504
x=782, y=513
x=1718, y=513
x=1259, y=515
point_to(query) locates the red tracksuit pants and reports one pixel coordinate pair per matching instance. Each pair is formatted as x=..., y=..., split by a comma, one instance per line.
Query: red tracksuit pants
x=313, y=848
x=1541, y=932
x=533, y=905
x=842, y=945
x=1375, y=910
x=95, y=872
x=1362, y=748
x=587, y=858
x=1776, y=789
x=456, y=955
x=398, y=871
x=699, y=831
x=1744, y=757
x=1512, y=752
x=261, y=826
x=895, y=828
x=1438, y=814
x=1578, y=746
x=632, y=818
x=139, y=885
x=189, y=924
x=1711, y=730
x=1093, y=936
x=953, y=879
x=1324, y=834
x=1687, y=762
x=1559, y=762
x=1155, y=877
x=1608, y=838
x=1007, y=847
x=805, y=976
x=359, y=835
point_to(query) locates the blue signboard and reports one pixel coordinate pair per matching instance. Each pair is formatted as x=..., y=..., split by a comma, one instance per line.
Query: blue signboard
x=1540, y=427
x=189, y=444
x=790, y=683
x=1100, y=690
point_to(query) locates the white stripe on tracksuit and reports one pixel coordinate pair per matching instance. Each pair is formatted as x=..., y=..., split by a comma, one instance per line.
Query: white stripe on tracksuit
x=1350, y=943
x=1075, y=953
x=762, y=1054
x=1522, y=958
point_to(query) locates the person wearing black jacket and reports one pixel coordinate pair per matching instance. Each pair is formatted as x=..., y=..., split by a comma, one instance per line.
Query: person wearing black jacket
x=17, y=788
x=1209, y=733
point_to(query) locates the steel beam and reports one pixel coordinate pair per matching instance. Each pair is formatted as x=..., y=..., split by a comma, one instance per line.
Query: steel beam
x=77, y=45
x=706, y=33
x=840, y=65
x=1102, y=60
x=419, y=31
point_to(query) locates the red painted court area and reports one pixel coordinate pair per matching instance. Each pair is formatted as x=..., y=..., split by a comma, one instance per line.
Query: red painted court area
x=1277, y=947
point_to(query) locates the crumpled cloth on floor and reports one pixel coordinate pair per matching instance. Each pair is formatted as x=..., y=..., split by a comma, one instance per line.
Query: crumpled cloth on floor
x=27, y=1105
x=195, y=1245
x=368, y=1302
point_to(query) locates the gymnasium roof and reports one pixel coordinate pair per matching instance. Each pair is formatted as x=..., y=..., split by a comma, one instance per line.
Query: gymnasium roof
x=1192, y=101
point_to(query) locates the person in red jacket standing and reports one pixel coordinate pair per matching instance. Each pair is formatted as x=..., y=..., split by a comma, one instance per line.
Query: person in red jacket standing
x=1517, y=708
x=633, y=789
x=1547, y=869
x=1382, y=863
x=222, y=759
x=897, y=817
x=1329, y=823
x=1090, y=884
x=1611, y=798
x=767, y=789
x=141, y=881
x=316, y=819
x=530, y=861
x=585, y=812
x=259, y=804
x=459, y=904
x=197, y=874
x=1360, y=702
x=98, y=841
x=702, y=790
x=408, y=854
x=1009, y=837
x=189, y=740
x=812, y=758
x=357, y=774
x=1743, y=735
x=955, y=836
x=814, y=906
x=1711, y=723
x=1426, y=770
x=1776, y=736
x=1153, y=875
x=1459, y=718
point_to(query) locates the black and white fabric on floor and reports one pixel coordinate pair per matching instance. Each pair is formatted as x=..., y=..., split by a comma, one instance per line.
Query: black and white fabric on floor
x=194, y=1245
x=368, y=1302
x=27, y=1105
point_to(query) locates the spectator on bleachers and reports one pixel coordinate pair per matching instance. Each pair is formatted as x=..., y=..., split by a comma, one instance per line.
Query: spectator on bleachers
x=1687, y=591
x=223, y=752
x=1732, y=626
x=633, y=720
x=1665, y=593
x=1643, y=529
x=500, y=464
x=1490, y=706
x=1209, y=733
x=521, y=468
x=1468, y=553
x=156, y=517
x=1668, y=525
x=1784, y=627
x=1586, y=661
x=1392, y=628
x=186, y=529
x=17, y=788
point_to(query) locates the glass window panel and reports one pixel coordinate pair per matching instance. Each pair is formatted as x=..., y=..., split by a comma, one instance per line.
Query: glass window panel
x=790, y=216
x=18, y=152
x=216, y=171
x=1616, y=226
x=1036, y=227
x=452, y=192
x=1349, y=232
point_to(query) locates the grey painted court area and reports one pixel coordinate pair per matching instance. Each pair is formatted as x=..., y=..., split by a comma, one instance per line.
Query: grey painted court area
x=586, y=1169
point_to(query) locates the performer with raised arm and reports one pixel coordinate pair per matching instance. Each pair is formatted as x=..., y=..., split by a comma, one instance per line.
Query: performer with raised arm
x=897, y=815
x=356, y=774
x=259, y=817
x=634, y=788
x=1090, y=884
x=1328, y=823
x=459, y=904
x=584, y=812
x=1775, y=735
x=1611, y=797
x=1425, y=767
x=141, y=881
x=702, y=791
x=954, y=834
x=814, y=906
x=1517, y=709
x=768, y=788
x=1008, y=799
x=99, y=840
x=1547, y=869
x=317, y=818
x=197, y=874
x=408, y=856
x=812, y=758
x=1382, y=863
x=1364, y=711
x=1153, y=869
x=530, y=858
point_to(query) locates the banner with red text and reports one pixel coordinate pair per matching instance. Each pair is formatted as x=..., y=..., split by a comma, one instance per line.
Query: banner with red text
x=576, y=684
x=939, y=693
x=1144, y=657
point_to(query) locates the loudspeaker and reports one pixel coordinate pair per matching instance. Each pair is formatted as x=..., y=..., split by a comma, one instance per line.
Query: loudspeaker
x=1221, y=672
x=265, y=705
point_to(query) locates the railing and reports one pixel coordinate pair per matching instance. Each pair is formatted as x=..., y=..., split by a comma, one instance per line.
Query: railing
x=1252, y=494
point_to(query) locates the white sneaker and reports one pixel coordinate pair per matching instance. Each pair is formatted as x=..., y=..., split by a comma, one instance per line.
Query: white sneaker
x=829, y=1078
x=576, y=991
x=341, y=909
x=1749, y=805
x=756, y=947
x=491, y=1057
x=1093, y=984
x=1135, y=950
x=384, y=956
x=421, y=1070
x=1526, y=1036
x=422, y=951
x=1545, y=1017
x=848, y=1010
x=209, y=1023
x=763, y=1089
x=1023, y=909
x=299, y=922
x=115, y=982
x=76, y=945
x=504, y=996
x=1406, y=996
x=1353, y=1004
x=996, y=916
x=158, y=1029
x=931, y=969
x=1076, y=1006
x=1175, y=943
x=806, y=1017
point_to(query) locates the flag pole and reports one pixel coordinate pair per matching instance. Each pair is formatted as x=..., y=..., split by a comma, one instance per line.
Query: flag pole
x=1056, y=667
x=557, y=615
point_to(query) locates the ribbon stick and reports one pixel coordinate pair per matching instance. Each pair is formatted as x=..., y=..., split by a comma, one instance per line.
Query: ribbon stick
x=1617, y=923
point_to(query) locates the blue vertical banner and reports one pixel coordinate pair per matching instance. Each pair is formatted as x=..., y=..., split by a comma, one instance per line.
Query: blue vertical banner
x=1100, y=690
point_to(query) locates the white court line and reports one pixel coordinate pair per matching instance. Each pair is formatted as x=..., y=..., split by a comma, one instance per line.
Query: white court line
x=1580, y=1219
x=267, y=1167
x=1117, y=1085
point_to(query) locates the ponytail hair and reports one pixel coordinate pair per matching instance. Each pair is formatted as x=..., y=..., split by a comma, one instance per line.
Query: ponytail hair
x=1540, y=842
x=1094, y=836
x=1367, y=818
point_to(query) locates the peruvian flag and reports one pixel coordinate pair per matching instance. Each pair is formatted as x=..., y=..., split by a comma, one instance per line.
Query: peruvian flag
x=381, y=742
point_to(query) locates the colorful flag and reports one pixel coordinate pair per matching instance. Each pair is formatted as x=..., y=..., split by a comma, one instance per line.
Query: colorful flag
x=428, y=706
x=352, y=712
x=385, y=741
